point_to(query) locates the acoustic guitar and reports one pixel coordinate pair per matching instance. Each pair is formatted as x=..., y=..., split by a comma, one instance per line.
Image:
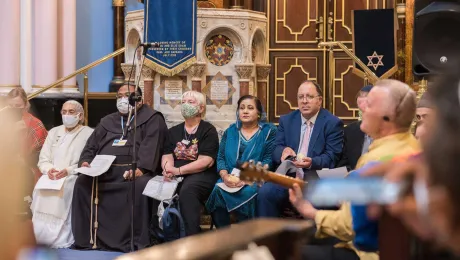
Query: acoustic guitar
x=251, y=172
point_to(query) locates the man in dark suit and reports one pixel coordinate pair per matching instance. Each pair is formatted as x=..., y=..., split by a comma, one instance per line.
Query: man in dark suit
x=311, y=134
x=355, y=142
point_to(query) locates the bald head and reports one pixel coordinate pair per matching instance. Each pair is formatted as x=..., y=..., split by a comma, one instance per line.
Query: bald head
x=401, y=102
x=389, y=109
x=309, y=98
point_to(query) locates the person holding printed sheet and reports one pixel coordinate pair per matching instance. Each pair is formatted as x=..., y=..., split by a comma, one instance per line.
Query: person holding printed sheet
x=58, y=159
x=191, y=153
x=250, y=138
x=101, y=207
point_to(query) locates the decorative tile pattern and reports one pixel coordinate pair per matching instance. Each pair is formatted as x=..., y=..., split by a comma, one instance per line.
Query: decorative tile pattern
x=219, y=50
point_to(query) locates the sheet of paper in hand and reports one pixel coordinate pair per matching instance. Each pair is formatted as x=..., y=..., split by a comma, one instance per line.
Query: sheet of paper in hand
x=159, y=189
x=286, y=167
x=45, y=183
x=333, y=173
x=228, y=189
x=99, y=165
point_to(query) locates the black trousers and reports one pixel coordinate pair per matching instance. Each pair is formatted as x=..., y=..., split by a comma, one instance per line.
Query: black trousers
x=327, y=252
x=193, y=193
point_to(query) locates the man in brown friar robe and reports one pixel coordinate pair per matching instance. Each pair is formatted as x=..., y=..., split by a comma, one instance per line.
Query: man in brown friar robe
x=101, y=209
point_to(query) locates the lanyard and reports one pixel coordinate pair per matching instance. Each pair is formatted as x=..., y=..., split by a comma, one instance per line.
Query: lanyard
x=191, y=133
x=123, y=126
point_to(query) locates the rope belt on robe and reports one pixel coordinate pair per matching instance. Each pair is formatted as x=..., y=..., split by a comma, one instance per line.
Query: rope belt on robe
x=95, y=200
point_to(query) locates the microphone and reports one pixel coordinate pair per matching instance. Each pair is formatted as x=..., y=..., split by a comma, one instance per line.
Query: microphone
x=150, y=45
x=134, y=97
x=128, y=121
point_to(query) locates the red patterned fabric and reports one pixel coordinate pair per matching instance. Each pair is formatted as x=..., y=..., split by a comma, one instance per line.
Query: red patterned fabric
x=36, y=136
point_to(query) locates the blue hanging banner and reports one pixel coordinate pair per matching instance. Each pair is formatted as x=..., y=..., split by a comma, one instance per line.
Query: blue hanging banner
x=172, y=24
x=374, y=41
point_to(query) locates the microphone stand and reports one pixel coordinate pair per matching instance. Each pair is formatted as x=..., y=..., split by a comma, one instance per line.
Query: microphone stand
x=133, y=99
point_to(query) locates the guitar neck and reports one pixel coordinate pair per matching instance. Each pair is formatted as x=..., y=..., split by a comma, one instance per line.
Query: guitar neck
x=284, y=180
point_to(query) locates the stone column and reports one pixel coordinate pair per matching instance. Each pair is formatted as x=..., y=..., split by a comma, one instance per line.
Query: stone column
x=118, y=42
x=263, y=70
x=196, y=72
x=67, y=39
x=9, y=45
x=45, y=65
x=26, y=45
x=128, y=69
x=149, y=75
x=244, y=72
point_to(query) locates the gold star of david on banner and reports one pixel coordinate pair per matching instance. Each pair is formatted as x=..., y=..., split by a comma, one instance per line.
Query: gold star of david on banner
x=371, y=60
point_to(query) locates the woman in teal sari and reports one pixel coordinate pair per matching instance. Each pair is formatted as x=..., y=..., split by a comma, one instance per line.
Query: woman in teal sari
x=250, y=138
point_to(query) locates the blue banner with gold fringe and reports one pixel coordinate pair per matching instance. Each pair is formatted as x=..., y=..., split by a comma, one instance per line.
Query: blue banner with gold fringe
x=171, y=23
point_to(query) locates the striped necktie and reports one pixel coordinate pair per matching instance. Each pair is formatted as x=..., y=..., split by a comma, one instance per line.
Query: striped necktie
x=306, y=139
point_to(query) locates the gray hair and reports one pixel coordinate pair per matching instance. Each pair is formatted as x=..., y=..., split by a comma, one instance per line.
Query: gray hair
x=78, y=108
x=403, y=102
x=200, y=99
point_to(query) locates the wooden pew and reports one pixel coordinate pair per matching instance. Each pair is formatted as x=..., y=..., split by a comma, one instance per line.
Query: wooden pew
x=284, y=238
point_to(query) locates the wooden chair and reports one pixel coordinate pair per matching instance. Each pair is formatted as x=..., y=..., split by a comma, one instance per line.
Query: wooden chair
x=206, y=219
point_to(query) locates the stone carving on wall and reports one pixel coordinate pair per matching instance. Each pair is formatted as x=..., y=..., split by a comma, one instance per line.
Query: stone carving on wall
x=128, y=69
x=229, y=44
x=244, y=70
x=197, y=70
x=263, y=70
x=147, y=73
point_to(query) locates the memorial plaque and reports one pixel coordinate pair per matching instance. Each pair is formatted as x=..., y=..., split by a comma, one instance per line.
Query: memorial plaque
x=219, y=90
x=171, y=89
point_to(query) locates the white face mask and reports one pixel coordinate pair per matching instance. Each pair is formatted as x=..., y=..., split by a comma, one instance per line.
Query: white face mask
x=70, y=121
x=123, y=105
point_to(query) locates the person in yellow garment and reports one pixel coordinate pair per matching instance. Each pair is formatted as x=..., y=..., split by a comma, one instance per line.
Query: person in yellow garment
x=387, y=117
x=432, y=211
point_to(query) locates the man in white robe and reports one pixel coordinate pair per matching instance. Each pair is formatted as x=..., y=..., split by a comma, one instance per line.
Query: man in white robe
x=59, y=159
